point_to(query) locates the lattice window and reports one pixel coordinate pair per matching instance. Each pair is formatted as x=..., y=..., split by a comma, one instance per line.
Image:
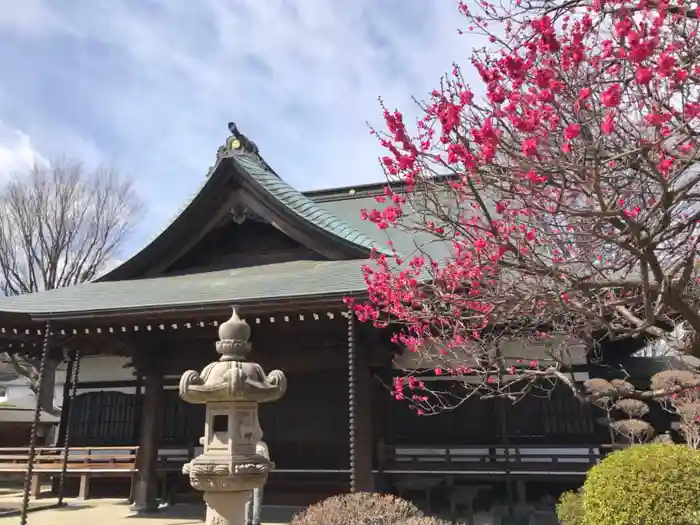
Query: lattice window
x=559, y=417
x=102, y=418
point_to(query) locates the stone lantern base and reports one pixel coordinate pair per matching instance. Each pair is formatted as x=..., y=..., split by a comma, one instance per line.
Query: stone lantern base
x=227, y=488
x=226, y=508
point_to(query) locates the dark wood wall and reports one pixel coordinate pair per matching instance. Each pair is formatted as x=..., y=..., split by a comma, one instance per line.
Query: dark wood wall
x=314, y=412
x=231, y=245
x=306, y=429
x=558, y=419
x=309, y=427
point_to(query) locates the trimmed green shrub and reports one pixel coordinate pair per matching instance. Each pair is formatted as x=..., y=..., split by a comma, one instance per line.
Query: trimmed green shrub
x=361, y=508
x=653, y=484
x=570, y=508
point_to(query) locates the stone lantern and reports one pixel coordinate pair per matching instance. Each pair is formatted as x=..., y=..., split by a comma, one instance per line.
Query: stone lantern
x=232, y=387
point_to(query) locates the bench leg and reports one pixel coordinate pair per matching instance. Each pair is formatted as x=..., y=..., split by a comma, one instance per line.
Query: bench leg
x=84, y=492
x=132, y=480
x=165, y=490
x=35, y=487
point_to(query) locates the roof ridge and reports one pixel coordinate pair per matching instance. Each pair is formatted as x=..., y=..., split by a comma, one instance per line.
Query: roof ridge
x=341, y=193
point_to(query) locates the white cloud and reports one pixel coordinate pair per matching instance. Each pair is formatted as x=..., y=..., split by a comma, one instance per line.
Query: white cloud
x=17, y=153
x=33, y=17
x=152, y=83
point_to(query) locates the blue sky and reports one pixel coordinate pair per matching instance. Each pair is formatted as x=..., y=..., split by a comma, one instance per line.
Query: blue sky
x=147, y=86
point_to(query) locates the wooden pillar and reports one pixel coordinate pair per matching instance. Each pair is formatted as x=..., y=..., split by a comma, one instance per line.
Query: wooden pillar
x=138, y=408
x=360, y=413
x=67, y=411
x=382, y=426
x=502, y=409
x=364, y=440
x=65, y=404
x=145, y=491
x=62, y=434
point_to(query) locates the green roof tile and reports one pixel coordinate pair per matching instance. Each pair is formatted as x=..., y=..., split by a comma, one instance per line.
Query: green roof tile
x=302, y=205
x=297, y=279
x=407, y=242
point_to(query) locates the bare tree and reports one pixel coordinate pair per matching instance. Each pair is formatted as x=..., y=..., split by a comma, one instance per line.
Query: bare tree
x=60, y=225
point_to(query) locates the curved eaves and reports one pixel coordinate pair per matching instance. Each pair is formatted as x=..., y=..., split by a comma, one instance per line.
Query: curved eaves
x=190, y=218
x=308, y=214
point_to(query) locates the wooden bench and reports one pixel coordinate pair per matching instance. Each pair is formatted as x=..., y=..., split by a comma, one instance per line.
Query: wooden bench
x=83, y=462
x=171, y=459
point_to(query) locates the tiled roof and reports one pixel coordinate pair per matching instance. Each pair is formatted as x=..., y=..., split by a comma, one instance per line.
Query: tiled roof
x=297, y=279
x=303, y=206
x=406, y=241
x=339, y=216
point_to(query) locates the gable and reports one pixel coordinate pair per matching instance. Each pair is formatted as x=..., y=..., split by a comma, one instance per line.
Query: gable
x=239, y=242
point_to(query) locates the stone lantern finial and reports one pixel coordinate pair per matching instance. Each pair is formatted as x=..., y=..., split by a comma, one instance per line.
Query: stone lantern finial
x=235, y=329
x=234, y=335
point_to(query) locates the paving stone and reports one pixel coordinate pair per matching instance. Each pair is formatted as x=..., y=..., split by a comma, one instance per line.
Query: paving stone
x=117, y=512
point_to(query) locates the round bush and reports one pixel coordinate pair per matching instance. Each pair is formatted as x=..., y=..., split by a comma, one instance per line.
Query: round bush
x=360, y=508
x=570, y=508
x=654, y=484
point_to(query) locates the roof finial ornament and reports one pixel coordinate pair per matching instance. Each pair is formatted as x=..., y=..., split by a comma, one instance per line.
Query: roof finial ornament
x=238, y=145
x=238, y=142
